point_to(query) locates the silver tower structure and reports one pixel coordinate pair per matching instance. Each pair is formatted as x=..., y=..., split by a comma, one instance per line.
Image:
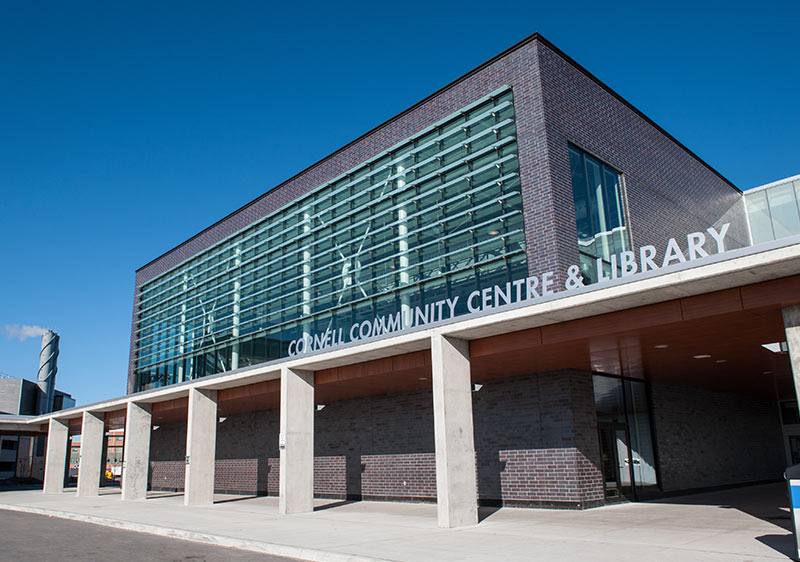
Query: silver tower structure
x=48, y=367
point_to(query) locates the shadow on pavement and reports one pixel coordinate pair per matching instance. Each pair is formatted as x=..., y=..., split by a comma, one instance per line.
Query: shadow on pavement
x=236, y=499
x=333, y=504
x=484, y=512
x=767, y=502
x=781, y=543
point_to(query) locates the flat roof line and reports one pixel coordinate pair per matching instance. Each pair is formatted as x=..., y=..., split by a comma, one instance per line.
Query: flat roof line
x=772, y=184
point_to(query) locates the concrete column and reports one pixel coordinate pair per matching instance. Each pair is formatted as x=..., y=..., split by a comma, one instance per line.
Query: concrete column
x=791, y=324
x=201, y=445
x=91, y=463
x=136, y=452
x=456, y=489
x=296, y=442
x=56, y=459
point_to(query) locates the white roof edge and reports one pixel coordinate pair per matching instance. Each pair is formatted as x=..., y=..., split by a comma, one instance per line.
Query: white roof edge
x=771, y=184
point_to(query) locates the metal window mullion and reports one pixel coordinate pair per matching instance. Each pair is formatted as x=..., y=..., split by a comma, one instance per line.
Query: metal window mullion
x=282, y=326
x=309, y=199
x=391, y=241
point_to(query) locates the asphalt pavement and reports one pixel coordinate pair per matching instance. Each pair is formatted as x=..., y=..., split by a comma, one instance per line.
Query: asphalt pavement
x=51, y=539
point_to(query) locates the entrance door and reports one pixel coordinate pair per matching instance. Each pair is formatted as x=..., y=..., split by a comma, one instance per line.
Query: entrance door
x=615, y=454
x=626, y=445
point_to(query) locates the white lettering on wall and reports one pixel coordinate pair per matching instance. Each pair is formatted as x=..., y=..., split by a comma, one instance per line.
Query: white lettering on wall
x=528, y=289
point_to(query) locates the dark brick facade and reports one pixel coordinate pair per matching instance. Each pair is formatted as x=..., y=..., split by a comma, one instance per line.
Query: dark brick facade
x=535, y=440
x=709, y=439
x=670, y=192
x=535, y=443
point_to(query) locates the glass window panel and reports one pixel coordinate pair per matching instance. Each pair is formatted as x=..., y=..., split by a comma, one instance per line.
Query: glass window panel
x=783, y=210
x=396, y=240
x=758, y=213
x=599, y=211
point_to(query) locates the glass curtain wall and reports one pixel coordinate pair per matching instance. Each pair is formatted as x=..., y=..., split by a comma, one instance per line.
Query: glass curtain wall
x=438, y=215
x=774, y=212
x=599, y=213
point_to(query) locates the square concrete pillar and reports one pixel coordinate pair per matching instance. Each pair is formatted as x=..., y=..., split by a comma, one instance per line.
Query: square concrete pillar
x=91, y=459
x=296, y=442
x=456, y=488
x=56, y=457
x=136, y=451
x=201, y=447
x=791, y=324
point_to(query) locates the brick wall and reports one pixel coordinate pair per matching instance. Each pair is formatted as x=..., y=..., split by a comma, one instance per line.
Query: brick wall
x=535, y=440
x=167, y=475
x=708, y=439
x=670, y=193
x=411, y=476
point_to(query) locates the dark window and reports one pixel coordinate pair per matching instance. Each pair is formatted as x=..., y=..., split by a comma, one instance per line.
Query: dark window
x=7, y=467
x=9, y=445
x=599, y=214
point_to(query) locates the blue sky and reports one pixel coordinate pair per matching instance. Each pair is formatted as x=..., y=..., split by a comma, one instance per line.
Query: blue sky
x=127, y=127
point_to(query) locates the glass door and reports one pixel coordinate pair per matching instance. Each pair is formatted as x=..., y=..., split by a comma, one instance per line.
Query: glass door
x=626, y=444
x=615, y=458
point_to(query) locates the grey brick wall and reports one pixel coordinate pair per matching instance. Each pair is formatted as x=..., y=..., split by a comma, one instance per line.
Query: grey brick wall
x=670, y=193
x=535, y=441
x=708, y=439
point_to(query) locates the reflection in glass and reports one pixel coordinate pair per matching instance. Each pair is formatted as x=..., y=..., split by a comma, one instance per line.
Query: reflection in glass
x=625, y=437
x=599, y=213
x=774, y=212
x=415, y=224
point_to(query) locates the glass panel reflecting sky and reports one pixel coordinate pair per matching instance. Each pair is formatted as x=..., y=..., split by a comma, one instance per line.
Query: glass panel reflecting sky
x=599, y=212
x=411, y=226
x=774, y=212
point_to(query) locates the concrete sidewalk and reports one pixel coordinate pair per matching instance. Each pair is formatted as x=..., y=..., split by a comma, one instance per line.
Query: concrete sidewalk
x=746, y=524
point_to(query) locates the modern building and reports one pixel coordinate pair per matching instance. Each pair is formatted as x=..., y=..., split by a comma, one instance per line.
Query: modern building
x=19, y=457
x=519, y=291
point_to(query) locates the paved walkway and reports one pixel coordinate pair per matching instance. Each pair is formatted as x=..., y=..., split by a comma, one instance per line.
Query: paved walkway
x=747, y=524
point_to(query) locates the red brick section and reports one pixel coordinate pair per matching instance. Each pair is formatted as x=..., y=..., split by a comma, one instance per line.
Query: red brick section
x=548, y=476
x=411, y=476
x=329, y=476
x=236, y=475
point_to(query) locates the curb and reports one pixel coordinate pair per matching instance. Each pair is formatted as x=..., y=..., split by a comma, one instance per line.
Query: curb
x=273, y=549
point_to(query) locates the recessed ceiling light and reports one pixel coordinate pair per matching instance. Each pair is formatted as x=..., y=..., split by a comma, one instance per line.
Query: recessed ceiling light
x=776, y=347
x=661, y=346
x=494, y=232
x=422, y=378
x=701, y=356
x=767, y=372
x=720, y=361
